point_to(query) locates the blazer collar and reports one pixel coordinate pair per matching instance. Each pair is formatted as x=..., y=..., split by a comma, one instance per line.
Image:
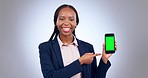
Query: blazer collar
x=56, y=47
x=57, y=51
x=81, y=47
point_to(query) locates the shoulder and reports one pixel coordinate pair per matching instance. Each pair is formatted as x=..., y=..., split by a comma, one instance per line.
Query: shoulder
x=45, y=44
x=81, y=42
x=85, y=45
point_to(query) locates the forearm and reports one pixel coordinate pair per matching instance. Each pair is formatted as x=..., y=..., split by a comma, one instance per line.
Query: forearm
x=65, y=72
x=103, y=68
x=52, y=69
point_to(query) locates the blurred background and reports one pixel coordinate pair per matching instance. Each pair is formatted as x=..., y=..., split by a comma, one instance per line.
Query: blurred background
x=24, y=24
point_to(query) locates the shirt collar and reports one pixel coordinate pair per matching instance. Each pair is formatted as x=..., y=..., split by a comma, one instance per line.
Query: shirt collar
x=75, y=43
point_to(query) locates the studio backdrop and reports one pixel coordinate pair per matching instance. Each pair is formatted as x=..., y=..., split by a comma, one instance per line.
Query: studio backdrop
x=24, y=24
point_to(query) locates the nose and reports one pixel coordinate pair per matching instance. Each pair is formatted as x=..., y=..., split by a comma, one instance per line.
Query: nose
x=66, y=22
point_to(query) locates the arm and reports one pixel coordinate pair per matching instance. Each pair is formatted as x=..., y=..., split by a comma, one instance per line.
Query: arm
x=48, y=68
x=101, y=70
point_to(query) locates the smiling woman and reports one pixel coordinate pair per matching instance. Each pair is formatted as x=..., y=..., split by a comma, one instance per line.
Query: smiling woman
x=65, y=56
x=66, y=23
x=60, y=17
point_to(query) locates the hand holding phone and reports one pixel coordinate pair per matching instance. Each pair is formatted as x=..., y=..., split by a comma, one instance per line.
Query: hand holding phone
x=109, y=43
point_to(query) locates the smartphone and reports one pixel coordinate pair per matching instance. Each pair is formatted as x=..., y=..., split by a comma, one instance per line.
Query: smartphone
x=109, y=43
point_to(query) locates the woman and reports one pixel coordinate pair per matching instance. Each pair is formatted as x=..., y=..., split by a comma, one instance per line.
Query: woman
x=65, y=56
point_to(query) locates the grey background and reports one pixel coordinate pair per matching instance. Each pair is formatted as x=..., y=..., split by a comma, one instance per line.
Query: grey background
x=24, y=24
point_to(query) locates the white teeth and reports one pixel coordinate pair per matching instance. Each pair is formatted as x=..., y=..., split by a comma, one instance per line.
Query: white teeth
x=66, y=29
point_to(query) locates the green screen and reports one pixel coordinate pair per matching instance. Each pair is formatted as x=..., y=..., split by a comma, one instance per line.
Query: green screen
x=110, y=43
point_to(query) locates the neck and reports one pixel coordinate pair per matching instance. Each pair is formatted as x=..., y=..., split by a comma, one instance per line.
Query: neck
x=66, y=39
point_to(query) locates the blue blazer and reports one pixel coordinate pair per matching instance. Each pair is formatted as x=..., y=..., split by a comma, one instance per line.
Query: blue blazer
x=52, y=64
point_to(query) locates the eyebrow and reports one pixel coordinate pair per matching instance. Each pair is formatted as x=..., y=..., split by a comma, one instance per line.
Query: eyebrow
x=64, y=16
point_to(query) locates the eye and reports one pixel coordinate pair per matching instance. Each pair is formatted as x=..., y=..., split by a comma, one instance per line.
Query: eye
x=71, y=18
x=61, y=18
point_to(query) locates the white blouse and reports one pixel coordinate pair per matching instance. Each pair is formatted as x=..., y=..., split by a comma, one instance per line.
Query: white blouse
x=69, y=53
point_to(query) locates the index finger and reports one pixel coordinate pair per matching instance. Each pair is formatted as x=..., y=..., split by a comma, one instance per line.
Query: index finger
x=97, y=54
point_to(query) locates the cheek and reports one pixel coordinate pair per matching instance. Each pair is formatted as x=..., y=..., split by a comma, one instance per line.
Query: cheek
x=58, y=23
x=74, y=25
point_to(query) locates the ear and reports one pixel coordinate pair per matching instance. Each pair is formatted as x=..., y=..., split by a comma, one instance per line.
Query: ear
x=76, y=26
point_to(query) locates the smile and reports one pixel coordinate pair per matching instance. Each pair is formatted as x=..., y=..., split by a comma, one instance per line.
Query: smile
x=66, y=29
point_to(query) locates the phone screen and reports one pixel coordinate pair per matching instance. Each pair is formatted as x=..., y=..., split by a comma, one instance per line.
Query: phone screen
x=109, y=43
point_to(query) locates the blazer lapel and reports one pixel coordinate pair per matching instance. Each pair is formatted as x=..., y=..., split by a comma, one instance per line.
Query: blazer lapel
x=82, y=51
x=81, y=47
x=57, y=51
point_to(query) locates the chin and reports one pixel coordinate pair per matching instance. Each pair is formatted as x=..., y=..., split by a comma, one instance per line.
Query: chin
x=66, y=34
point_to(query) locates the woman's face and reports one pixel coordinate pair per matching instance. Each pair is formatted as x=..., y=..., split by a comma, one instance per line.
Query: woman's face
x=66, y=21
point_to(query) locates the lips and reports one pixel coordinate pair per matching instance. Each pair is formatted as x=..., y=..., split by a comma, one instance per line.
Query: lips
x=66, y=30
